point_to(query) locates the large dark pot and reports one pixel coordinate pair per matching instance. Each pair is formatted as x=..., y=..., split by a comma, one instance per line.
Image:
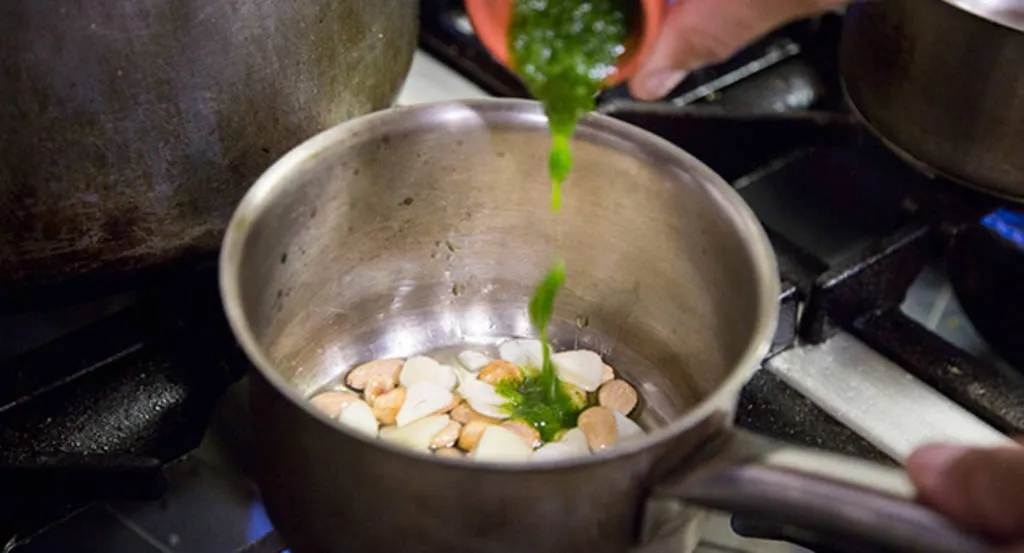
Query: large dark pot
x=129, y=131
x=941, y=81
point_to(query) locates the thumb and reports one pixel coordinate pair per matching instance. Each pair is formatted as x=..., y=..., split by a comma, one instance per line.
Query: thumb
x=980, y=488
x=701, y=32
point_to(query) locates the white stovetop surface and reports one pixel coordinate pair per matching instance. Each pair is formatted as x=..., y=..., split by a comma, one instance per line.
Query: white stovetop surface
x=431, y=81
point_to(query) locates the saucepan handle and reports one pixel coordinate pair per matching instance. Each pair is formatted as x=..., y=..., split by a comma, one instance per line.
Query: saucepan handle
x=825, y=499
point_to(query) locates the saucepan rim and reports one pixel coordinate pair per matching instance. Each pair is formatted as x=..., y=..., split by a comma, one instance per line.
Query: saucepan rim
x=529, y=113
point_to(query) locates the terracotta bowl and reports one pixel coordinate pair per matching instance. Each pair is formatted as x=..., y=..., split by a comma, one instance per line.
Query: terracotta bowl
x=491, y=19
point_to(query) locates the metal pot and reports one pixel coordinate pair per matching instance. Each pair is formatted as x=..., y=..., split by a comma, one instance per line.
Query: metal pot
x=425, y=227
x=132, y=129
x=941, y=82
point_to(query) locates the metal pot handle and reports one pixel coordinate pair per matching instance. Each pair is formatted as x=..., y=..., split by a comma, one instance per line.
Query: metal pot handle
x=827, y=500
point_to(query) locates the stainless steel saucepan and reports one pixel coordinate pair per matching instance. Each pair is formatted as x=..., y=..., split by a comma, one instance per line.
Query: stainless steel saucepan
x=423, y=227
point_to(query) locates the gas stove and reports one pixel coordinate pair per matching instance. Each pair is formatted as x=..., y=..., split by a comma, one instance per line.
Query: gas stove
x=122, y=419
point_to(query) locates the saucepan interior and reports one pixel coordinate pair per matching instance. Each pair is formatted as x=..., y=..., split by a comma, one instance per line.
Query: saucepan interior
x=428, y=227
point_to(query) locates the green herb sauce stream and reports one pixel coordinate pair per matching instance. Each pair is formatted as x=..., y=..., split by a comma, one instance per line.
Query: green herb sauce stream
x=564, y=50
x=541, y=399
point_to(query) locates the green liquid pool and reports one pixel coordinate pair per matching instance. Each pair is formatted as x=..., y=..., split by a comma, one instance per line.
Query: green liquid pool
x=541, y=399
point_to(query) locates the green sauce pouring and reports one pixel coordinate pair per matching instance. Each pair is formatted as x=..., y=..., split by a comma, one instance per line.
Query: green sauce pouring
x=564, y=50
x=541, y=399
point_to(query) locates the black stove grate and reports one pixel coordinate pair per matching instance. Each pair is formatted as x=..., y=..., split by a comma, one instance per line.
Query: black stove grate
x=96, y=414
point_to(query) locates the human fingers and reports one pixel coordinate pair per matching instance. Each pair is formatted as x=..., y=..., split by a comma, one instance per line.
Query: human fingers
x=700, y=32
x=980, y=488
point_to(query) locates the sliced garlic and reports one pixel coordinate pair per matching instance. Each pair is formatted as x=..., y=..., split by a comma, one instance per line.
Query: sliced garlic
x=576, y=439
x=422, y=399
x=579, y=367
x=556, y=450
x=417, y=435
x=501, y=445
x=359, y=417
x=462, y=375
x=424, y=369
x=607, y=373
x=626, y=430
x=473, y=361
x=527, y=433
x=448, y=379
x=525, y=353
x=483, y=398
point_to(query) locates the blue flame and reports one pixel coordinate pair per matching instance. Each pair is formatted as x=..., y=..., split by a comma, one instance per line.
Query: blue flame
x=1008, y=224
x=259, y=522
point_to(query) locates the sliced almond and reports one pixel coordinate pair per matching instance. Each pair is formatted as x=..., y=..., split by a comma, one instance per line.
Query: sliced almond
x=417, y=435
x=499, y=370
x=599, y=426
x=626, y=430
x=424, y=369
x=579, y=367
x=528, y=433
x=607, y=373
x=447, y=436
x=387, y=406
x=450, y=453
x=378, y=385
x=524, y=353
x=331, y=403
x=383, y=369
x=471, y=434
x=473, y=361
x=422, y=399
x=466, y=414
x=617, y=395
x=501, y=445
x=359, y=417
x=484, y=399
